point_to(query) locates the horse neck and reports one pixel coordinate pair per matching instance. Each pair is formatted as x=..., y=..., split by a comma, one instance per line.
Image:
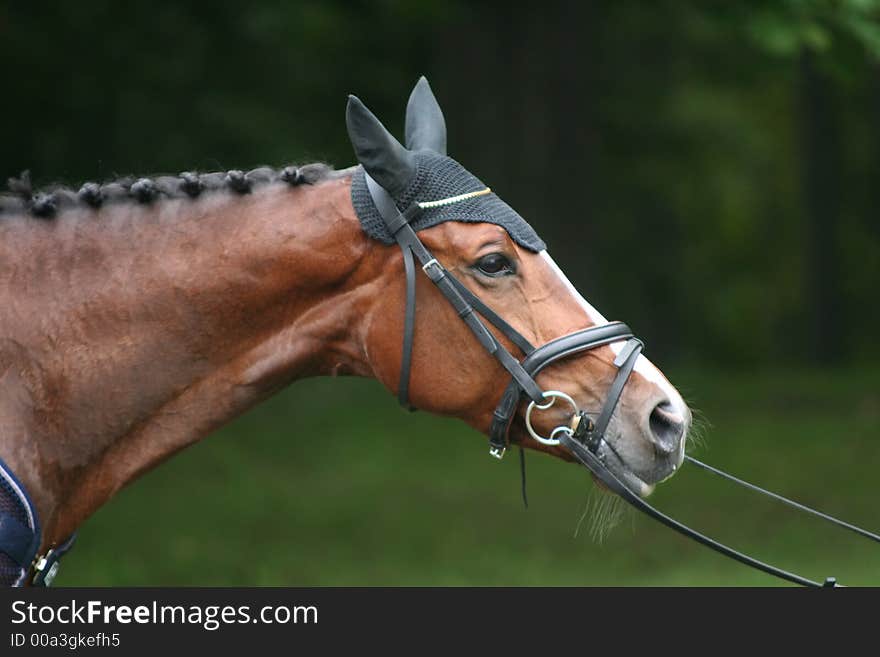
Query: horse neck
x=135, y=331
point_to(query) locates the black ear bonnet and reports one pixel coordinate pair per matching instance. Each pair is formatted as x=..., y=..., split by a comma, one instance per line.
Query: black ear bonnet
x=422, y=172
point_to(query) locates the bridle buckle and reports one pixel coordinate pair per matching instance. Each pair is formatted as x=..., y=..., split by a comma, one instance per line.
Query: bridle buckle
x=433, y=269
x=46, y=568
x=582, y=428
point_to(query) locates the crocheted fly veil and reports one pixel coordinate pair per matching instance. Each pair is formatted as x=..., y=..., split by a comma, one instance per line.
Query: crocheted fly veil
x=421, y=172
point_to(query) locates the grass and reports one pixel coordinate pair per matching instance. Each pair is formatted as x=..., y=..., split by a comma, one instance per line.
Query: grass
x=331, y=483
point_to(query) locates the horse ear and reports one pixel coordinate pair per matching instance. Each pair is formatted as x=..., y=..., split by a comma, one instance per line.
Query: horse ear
x=425, y=126
x=382, y=156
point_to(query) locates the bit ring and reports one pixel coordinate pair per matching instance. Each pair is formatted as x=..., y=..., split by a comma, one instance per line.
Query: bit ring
x=551, y=395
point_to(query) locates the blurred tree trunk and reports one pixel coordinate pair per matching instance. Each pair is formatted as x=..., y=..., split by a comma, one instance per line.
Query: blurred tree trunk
x=868, y=310
x=821, y=182
x=572, y=144
x=874, y=201
x=516, y=88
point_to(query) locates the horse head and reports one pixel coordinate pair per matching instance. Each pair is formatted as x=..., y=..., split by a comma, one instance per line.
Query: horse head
x=484, y=259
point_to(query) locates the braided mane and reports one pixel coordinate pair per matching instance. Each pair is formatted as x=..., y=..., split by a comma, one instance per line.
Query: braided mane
x=46, y=204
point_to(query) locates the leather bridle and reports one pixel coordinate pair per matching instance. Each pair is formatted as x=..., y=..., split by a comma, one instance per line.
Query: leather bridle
x=469, y=307
x=582, y=437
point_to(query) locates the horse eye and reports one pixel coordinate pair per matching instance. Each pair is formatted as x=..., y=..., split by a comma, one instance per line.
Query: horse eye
x=495, y=264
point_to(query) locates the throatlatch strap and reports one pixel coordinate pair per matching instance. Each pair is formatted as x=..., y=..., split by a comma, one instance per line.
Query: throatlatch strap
x=409, y=323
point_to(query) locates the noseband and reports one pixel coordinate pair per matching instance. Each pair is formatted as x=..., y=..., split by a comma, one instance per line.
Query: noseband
x=583, y=436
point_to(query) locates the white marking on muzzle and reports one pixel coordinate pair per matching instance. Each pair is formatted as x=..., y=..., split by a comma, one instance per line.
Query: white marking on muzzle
x=643, y=366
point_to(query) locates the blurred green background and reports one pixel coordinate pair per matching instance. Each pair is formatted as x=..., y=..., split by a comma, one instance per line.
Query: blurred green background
x=706, y=171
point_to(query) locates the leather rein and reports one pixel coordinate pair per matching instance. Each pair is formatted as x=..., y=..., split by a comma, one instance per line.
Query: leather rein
x=583, y=436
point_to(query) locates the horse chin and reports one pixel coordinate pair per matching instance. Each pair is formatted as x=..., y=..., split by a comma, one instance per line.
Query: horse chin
x=611, y=458
x=625, y=474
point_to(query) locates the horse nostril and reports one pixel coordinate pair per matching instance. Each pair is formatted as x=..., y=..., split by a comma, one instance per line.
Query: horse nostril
x=667, y=428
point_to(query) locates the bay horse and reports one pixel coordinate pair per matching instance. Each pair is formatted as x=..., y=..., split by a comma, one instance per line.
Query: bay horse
x=140, y=315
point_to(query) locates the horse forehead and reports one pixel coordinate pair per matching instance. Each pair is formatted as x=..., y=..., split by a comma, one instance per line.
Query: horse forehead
x=459, y=236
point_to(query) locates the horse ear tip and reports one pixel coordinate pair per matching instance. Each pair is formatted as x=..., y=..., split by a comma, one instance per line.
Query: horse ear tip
x=354, y=104
x=355, y=111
